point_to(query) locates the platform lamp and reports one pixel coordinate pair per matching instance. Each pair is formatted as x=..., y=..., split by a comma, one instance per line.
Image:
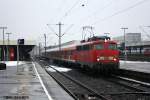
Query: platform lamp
x=125, y=53
x=3, y=65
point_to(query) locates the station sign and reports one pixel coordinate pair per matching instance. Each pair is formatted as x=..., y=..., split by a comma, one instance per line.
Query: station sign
x=21, y=41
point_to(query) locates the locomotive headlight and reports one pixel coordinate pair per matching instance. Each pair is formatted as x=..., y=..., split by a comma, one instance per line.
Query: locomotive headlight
x=115, y=59
x=98, y=59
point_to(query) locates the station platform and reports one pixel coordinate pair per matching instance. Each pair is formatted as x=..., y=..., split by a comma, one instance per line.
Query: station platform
x=29, y=81
x=138, y=66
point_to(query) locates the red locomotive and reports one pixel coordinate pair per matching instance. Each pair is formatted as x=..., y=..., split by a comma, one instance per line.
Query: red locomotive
x=98, y=53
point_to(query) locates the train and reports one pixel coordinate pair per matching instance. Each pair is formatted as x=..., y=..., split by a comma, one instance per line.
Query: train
x=98, y=53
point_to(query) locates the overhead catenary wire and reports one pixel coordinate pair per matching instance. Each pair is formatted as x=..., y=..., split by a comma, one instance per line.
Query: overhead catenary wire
x=69, y=10
x=99, y=10
x=116, y=13
x=109, y=16
x=121, y=11
x=106, y=6
x=52, y=29
x=67, y=29
x=95, y=13
x=58, y=9
x=144, y=32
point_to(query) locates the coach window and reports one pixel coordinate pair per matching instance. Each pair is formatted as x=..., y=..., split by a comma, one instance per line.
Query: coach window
x=98, y=46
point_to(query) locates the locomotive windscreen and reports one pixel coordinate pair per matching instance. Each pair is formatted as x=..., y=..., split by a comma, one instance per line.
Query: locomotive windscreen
x=99, y=46
x=112, y=46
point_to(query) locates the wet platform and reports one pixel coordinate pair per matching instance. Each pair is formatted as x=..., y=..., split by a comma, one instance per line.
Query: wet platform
x=138, y=66
x=29, y=81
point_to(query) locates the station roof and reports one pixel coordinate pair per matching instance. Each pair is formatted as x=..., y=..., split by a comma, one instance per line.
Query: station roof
x=14, y=42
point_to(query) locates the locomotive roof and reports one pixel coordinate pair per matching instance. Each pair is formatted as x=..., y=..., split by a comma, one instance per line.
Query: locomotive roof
x=98, y=41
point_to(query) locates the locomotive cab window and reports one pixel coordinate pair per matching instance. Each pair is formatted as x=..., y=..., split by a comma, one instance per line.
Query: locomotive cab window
x=112, y=46
x=99, y=46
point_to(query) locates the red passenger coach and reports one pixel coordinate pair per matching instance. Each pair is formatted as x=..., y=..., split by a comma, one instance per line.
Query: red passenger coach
x=96, y=53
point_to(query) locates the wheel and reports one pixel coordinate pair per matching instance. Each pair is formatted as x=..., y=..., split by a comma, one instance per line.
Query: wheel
x=2, y=66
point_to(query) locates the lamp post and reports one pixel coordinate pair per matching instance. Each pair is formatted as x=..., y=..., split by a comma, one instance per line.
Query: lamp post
x=125, y=53
x=39, y=49
x=45, y=44
x=3, y=28
x=8, y=37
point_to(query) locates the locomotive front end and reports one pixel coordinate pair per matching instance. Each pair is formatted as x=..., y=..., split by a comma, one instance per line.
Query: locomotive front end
x=106, y=56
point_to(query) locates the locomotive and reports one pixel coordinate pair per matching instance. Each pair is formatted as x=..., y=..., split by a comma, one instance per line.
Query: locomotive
x=98, y=53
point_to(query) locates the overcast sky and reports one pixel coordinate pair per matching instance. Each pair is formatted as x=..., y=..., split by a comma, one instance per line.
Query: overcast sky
x=29, y=18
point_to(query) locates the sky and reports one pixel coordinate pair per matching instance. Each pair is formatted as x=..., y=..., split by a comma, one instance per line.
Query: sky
x=31, y=19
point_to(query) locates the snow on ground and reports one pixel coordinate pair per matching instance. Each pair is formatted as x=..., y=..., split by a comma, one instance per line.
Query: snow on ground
x=13, y=63
x=61, y=69
x=122, y=61
x=136, y=66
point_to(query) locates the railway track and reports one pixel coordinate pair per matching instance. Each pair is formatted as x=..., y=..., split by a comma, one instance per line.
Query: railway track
x=66, y=81
x=131, y=83
x=141, y=76
x=133, y=91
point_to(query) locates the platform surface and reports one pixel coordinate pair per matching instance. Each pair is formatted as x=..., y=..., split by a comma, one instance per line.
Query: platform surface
x=22, y=83
x=135, y=66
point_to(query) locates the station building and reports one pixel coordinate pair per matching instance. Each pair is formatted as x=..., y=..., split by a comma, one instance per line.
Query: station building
x=8, y=50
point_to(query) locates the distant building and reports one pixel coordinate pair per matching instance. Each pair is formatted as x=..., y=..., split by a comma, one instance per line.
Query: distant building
x=131, y=38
